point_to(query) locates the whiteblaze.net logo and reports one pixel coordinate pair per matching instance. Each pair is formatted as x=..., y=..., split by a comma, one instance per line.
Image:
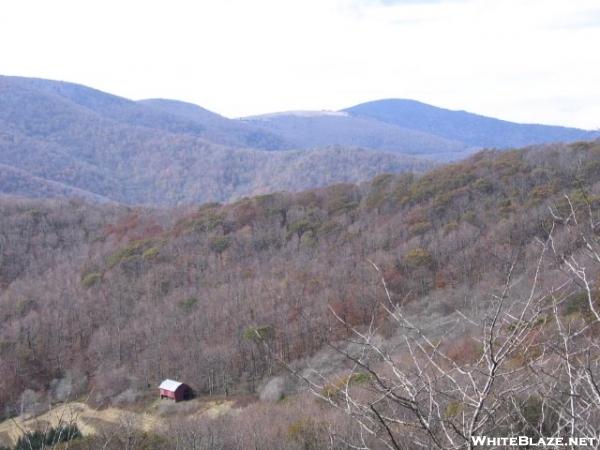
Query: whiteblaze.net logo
x=526, y=441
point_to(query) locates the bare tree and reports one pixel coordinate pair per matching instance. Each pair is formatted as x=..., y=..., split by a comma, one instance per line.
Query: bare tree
x=534, y=373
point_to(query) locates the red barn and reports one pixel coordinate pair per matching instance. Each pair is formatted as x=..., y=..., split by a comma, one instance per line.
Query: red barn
x=175, y=390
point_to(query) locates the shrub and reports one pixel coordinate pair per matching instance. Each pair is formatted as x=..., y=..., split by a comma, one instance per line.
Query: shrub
x=343, y=199
x=133, y=250
x=453, y=409
x=590, y=170
x=450, y=227
x=189, y=303
x=509, y=163
x=305, y=432
x=418, y=257
x=483, y=185
x=122, y=254
x=36, y=440
x=219, y=244
x=342, y=207
x=208, y=222
x=464, y=350
x=259, y=333
x=263, y=242
x=419, y=228
x=330, y=227
x=356, y=378
x=378, y=192
x=381, y=181
x=299, y=227
x=116, y=257
x=470, y=217
x=579, y=304
x=151, y=253
x=91, y=279
x=541, y=192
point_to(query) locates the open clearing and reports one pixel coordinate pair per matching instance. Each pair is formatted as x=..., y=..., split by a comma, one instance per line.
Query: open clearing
x=90, y=420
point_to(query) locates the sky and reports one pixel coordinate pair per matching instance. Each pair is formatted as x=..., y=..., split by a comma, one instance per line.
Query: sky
x=523, y=60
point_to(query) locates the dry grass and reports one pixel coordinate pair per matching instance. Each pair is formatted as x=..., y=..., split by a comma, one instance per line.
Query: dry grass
x=91, y=421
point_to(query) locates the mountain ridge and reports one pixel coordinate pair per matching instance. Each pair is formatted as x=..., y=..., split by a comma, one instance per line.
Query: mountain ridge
x=474, y=129
x=169, y=152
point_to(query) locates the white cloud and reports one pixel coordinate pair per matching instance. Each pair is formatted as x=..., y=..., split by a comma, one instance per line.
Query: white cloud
x=525, y=60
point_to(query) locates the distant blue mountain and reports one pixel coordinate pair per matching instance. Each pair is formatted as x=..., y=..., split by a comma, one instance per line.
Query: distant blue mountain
x=471, y=129
x=64, y=139
x=317, y=129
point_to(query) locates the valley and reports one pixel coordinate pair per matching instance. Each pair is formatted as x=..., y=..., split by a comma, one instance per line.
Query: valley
x=271, y=296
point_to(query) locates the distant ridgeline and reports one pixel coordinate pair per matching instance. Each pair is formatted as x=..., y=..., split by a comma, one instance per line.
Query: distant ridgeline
x=61, y=139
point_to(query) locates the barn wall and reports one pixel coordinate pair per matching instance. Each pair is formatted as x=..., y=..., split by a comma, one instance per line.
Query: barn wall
x=169, y=394
x=179, y=394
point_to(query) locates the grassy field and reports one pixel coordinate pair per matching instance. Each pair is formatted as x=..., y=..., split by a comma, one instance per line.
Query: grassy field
x=146, y=417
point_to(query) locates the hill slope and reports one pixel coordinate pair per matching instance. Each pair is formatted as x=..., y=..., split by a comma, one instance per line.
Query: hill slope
x=154, y=152
x=165, y=115
x=318, y=129
x=411, y=127
x=64, y=139
x=275, y=261
x=471, y=129
x=94, y=298
x=20, y=183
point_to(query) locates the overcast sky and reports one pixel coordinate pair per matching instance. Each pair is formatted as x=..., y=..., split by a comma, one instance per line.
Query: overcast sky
x=522, y=60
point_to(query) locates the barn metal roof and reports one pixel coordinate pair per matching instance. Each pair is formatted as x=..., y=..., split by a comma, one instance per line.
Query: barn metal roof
x=170, y=385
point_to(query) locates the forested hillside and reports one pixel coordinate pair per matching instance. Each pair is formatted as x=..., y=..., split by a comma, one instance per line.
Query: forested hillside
x=471, y=129
x=317, y=129
x=412, y=127
x=62, y=139
x=37, y=99
x=97, y=297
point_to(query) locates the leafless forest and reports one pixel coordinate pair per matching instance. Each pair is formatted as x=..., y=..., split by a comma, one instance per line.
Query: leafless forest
x=406, y=312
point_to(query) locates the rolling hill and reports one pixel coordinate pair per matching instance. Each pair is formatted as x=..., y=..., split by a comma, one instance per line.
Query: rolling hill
x=412, y=127
x=154, y=152
x=166, y=115
x=310, y=129
x=471, y=129
x=64, y=139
